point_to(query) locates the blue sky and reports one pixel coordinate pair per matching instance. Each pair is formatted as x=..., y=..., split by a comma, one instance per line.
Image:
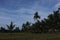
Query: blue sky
x=20, y=11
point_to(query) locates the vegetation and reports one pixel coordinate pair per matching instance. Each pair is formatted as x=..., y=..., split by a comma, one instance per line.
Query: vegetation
x=51, y=24
x=46, y=29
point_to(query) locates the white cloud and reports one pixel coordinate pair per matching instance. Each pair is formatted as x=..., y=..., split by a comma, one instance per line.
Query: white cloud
x=57, y=6
x=18, y=16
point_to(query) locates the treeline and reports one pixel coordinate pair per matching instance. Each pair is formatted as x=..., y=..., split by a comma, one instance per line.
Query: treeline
x=51, y=24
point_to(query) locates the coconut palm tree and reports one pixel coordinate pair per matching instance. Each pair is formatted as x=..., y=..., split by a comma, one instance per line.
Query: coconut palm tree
x=10, y=27
x=36, y=16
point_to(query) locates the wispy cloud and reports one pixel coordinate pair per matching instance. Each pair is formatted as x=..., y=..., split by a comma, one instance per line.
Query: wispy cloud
x=20, y=11
x=57, y=6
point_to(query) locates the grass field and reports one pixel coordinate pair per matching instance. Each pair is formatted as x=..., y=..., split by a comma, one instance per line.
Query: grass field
x=29, y=36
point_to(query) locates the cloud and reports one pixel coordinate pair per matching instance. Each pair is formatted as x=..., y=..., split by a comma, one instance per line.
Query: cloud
x=22, y=14
x=57, y=6
x=21, y=11
x=17, y=16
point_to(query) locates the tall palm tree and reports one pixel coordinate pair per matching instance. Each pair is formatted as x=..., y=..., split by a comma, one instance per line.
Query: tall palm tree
x=36, y=26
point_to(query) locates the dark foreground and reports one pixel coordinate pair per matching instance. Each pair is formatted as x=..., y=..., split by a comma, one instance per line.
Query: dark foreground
x=29, y=36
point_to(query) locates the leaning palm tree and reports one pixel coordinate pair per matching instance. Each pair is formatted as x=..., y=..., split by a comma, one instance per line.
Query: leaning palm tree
x=10, y=27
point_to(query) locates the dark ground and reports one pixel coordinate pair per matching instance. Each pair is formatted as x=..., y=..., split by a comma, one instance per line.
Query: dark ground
x=29, y=36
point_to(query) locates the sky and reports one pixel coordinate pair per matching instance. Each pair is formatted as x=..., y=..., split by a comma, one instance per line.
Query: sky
x=20, y=11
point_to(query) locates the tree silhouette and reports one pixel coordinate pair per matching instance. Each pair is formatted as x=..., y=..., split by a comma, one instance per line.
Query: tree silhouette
x=2, y=29
x=53, y=21
x=36, y=27
x=36, y=16
x=10, y=27
x=26, y=27
x=47, y=25
x=57, y=19
x=17, y=29
x=44, y=26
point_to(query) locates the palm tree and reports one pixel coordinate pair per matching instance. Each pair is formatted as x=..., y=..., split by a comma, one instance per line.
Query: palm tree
x=44, y=25
x=17, y=29
x=57, y=19
x=54, y=20
x=36, y=27
x=11, y=27
x=23, y=27
x=36, y=16
x=2, y=29
x=26, y=27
